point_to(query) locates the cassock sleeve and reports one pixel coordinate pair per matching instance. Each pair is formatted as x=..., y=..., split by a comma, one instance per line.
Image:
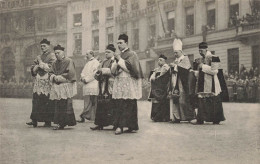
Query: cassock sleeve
x=122, y=65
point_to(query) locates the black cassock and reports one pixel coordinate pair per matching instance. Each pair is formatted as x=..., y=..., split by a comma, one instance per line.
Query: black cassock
x=161, y=105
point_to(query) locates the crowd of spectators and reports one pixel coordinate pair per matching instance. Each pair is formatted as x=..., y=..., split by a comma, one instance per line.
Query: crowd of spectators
x=248, y=19
x=244, y=86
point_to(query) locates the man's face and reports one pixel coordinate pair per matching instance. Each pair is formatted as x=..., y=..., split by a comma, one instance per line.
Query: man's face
x=177, y=54
x=203, y=52
x=44, y=47
x=109, y=54
x=59, y=54
x=121, y=44
x=89, y=55
x=161, y=62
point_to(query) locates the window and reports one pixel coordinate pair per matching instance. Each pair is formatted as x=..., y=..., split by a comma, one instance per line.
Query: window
x=211, y=19
x=77, y=20
x=110, y=35
x=152, y=31
x=135, y=43
x=123, y=7
x=150, y=2
x=189, y=21
x=95, y=40
x=40, y=22
x=110, y=13
x=29, y=24
x=78, y=43
x=256, y=57
x=51, y=20
x=233, y=60
x=5, y=24
x=123, y=28
x=233, y=15
x=95, y=17
x=171, y=21
x=135, y=5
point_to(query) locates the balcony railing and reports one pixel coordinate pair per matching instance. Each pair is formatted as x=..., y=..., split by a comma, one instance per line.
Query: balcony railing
x=252, y=26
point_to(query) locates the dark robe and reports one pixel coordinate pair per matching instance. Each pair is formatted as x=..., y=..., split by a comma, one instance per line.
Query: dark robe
x=42, y=107
x=125, y=114
x=64, y=113
x=210, y=107
x=105, y=103
x=159, y=91
x=182, y=108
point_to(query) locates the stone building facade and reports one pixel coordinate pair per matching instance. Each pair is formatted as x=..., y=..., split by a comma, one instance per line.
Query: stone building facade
x=23, y=24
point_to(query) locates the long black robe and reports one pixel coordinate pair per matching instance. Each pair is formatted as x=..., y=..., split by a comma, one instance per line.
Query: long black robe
x=125, y=114
x=64, y=112
x=161, y=106
x=42, y=107
x=105, y=103
x=210, y=107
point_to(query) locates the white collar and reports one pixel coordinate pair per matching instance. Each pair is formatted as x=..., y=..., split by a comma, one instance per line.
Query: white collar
x=124, y=50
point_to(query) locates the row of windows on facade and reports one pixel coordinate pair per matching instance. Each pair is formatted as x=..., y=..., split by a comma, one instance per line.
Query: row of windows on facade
x=109, y=40
x=27, y=22
x=210, y=24
x=95, y=16
x=134, y=5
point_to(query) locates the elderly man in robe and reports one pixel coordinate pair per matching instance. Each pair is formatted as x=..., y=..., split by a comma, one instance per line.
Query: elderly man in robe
x=105, y=103
x=42, y=107
x=181, y=109
x=210, y=86
x=63, y=77
x=160, y=79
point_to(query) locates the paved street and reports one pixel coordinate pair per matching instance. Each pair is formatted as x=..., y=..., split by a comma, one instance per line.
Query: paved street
x=236, y=141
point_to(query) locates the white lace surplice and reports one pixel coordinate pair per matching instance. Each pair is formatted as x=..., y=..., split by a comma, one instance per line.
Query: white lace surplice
x=42, y=85
x=125, y=86
x=63, y=91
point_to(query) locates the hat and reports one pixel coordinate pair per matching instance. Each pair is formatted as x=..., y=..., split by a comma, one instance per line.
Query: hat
x=162, y=56
x=123, y=37
x=58, y=47
x=177, y=45
x=111, y=47
x=45, y=41
x=203, y=45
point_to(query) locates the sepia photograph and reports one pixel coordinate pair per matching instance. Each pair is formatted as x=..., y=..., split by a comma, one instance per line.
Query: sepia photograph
x=130, y=81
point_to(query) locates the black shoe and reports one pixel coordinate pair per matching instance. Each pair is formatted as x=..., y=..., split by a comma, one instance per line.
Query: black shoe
x=129, y=130
x=216, y=122
x=176, y=121
x=34, y=123
x=81, y=120
x=97, y=128
x=47, y=124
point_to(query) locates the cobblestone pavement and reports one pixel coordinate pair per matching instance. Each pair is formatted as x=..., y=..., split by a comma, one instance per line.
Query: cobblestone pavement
x=236, y=140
